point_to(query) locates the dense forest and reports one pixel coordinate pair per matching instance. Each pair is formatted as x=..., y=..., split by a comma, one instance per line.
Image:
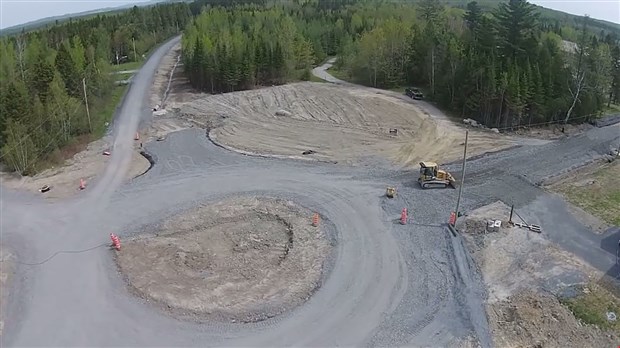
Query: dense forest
x=505, y=66
x=48, y=76
x=500, y=68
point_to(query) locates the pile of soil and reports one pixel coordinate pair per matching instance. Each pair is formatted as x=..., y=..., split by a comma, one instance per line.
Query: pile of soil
x=537, y=319
x=343, y=124
x=243, y=259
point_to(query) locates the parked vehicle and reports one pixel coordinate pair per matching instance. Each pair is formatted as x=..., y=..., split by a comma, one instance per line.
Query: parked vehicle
x=414, y=93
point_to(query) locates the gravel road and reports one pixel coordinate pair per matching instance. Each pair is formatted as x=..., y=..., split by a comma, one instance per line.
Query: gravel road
x=390, y=284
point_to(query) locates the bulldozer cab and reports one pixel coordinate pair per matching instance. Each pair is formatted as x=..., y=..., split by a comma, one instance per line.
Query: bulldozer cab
x=428, y=169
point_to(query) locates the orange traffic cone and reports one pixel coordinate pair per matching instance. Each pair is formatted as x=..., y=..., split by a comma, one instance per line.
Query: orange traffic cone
x=452, y=220
x=315, y=219
x=116, y=242
x=403, y=217
x=82, y=184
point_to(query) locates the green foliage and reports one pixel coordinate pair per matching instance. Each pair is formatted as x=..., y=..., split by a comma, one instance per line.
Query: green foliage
x=226, y=50
x=501, y=68
x=42, y=73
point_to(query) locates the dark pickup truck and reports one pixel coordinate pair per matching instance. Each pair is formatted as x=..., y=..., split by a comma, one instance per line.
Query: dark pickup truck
x=414, y=93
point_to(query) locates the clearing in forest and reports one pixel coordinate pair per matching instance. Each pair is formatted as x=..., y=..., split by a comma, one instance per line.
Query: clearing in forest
x=343, y=124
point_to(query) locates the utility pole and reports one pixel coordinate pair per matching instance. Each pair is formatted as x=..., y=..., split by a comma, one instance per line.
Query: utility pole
x=458, y=200
x=135, y=56
x=90, y=127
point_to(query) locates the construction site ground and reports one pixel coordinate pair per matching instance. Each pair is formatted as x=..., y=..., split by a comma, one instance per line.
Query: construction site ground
x=527, y=279
x=382, y=284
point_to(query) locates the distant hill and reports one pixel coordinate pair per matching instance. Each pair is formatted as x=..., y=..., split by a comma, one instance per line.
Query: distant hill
x=545, y=14
x=63, y=18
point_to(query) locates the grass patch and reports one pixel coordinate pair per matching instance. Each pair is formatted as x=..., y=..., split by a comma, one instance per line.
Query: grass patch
x=597, y=193
x=592, y=306
x=315, y=79
x=119, y=77
x=612, y=109
x=80, y=143
x=59, y=156
x=339, y=74
x=127, y=66
x=106, y=112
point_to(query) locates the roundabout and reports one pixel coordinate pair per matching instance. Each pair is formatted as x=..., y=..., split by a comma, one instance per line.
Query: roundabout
x=219, y=246
x=243, y=259
x=205, y=234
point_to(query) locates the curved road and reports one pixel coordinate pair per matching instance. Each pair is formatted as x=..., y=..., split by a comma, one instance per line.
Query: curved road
x=78, y=299
x=389, y=285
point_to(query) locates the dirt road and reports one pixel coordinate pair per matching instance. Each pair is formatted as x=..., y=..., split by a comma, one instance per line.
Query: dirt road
x=390, y=284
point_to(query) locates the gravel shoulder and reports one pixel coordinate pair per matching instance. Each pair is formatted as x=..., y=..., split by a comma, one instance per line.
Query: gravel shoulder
x=6, y=275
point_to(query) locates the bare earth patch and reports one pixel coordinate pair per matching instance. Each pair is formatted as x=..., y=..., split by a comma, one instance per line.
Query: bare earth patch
x=524, y=274
x=339, y=123
x=65, y=180
x=170, y=87
x=243, y=259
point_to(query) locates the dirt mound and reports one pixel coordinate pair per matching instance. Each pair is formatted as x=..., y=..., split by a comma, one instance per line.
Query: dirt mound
x=339, y=123
x=243, y=259
x=538, y=319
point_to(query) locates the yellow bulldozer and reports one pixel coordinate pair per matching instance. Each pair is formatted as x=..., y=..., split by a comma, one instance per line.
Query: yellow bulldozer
x=432, y=176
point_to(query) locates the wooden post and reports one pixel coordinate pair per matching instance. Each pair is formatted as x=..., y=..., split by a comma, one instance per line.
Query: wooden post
x=458, y=200
x=135, y=56
x=90, y=127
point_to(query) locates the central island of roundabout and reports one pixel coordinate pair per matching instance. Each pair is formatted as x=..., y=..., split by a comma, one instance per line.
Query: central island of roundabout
x=240, y=259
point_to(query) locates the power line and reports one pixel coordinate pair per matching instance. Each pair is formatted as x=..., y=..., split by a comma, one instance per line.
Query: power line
x=61, y=252
x=37, y=128
x=545, y=123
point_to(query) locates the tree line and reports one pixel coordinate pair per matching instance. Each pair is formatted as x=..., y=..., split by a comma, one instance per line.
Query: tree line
x=504, y=67
x=500, y=68
x=48, y=75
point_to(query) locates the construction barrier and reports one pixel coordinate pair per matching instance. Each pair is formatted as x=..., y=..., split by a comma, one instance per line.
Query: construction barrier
x=82, y=184
x=315, y=219
x=452, y=220
x=403, y=217
x=116, y=242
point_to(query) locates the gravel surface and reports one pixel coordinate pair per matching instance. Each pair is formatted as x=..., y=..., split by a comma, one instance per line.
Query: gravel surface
x=388, y=285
